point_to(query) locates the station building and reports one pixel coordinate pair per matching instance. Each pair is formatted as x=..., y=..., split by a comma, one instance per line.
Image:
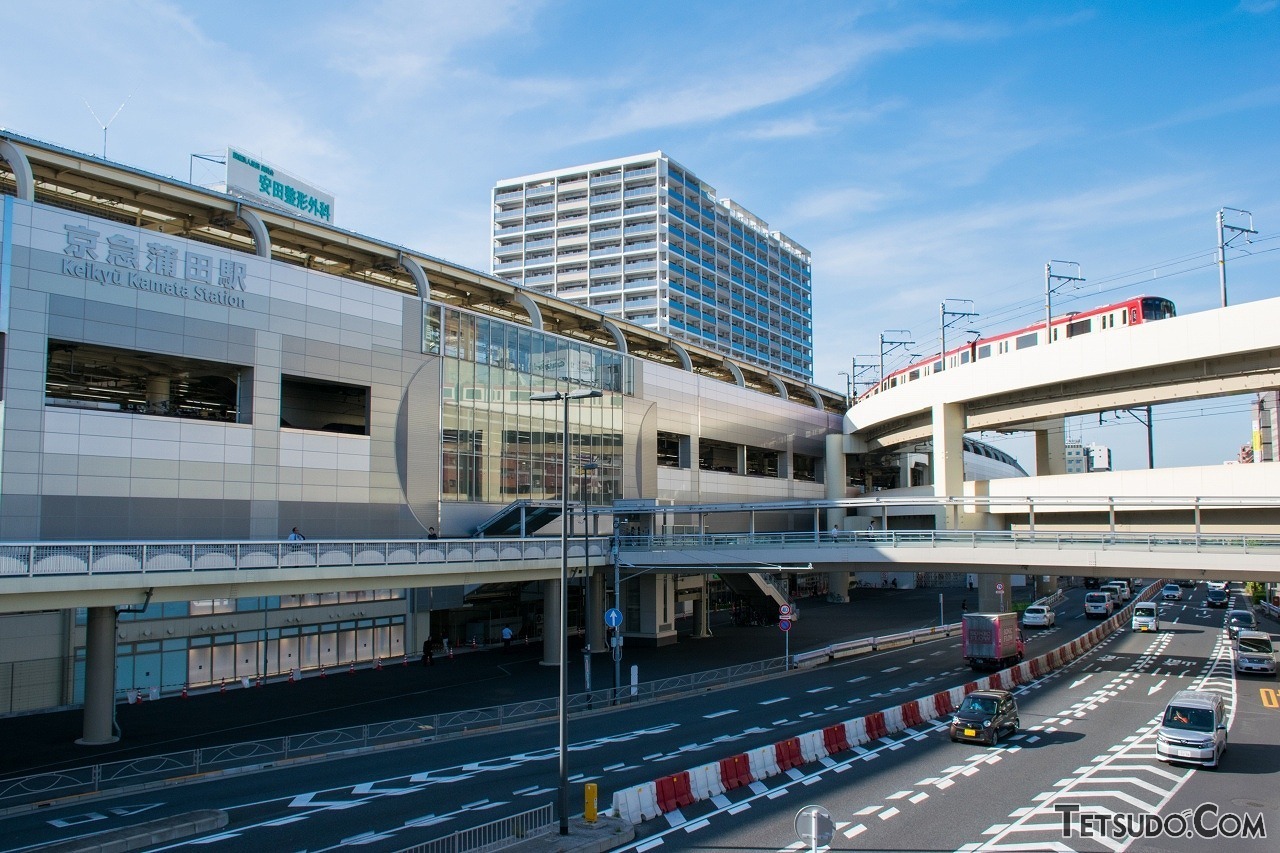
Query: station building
x=184, y=364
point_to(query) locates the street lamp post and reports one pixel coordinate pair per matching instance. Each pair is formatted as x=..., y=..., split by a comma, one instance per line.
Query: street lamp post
x=562, y=629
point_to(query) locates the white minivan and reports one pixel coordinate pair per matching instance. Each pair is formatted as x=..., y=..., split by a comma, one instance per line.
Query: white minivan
x=1193, y=728
x=1125, y=592
x=1146, y=616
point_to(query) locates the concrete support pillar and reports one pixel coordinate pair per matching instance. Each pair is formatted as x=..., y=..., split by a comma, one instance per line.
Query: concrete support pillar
x=838, y=586
x=595, y=611
x=702, y=613
x=655, y=595
x=1051, y=447
x=552, y=624
x=948, y=456
x=99, y=677
x=991, y=601
x=836, y=478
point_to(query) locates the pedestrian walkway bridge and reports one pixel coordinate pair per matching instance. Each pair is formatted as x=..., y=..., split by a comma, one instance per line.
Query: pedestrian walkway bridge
x=44, y=575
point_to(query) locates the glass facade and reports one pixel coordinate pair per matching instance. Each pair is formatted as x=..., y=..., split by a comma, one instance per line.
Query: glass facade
x=497, y=445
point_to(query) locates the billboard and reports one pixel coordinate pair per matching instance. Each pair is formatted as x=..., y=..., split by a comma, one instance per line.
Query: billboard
x=252, y=178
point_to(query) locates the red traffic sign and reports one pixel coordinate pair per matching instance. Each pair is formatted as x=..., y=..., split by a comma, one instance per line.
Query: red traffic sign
x=784, y=625
x=999, y=586
x=784, y=610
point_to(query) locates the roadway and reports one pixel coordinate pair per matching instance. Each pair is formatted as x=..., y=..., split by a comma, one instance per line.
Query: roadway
x=1087, y=740
x=390, y=799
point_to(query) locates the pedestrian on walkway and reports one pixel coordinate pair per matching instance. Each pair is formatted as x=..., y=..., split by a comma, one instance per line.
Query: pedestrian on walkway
x=428, y=654
x=431, y=533
x=964, y=606
x=295, y=536
x=506, y=638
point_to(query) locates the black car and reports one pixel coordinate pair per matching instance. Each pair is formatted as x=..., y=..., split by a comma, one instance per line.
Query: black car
x=1216, y=598
x=984, y=716
x=1240, y=620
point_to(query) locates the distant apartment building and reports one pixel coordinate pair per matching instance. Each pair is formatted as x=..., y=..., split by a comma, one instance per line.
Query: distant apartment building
x=1077, y=457
x=644, y=239
x=1082, y=459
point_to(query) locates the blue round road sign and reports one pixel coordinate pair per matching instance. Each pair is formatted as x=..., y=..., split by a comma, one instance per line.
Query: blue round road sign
x=784, y=625
x=613, y=617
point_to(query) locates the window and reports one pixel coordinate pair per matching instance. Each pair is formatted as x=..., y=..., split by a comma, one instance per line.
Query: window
x=323, y=406
x=718, y=456
x=762, y=462
x=805, y=467
x=673, y=450
x=84, y=376
x=1027, y=340
x=1079, y=327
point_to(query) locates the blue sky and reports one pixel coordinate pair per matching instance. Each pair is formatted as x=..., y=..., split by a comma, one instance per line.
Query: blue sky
x=921, y=150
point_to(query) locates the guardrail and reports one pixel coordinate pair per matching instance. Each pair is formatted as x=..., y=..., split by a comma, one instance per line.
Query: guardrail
x=1269, y=609
x=19, y=791
x=494, y=835
x=43, y=559
x=1248, y=543
x=865, y=645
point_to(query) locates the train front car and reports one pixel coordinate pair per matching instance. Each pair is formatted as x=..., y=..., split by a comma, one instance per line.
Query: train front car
x=1107, y=318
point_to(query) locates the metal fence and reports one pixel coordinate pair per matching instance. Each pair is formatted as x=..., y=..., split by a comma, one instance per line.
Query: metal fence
x=495, y=835
x=31, y=559
x=1247, y=543
x=38, y=788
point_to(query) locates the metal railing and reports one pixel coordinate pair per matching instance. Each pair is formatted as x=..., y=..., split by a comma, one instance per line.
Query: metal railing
x=41, y=559
x=494, y=835
x=19, y=791
x=1248, y=543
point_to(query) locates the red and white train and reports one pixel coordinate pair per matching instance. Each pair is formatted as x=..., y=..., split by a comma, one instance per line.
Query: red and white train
x=1108, y=318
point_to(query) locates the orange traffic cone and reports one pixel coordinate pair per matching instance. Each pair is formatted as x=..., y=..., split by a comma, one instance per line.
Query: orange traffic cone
x=259, y=680
x=223, y=688
x=352, y=670
x=378, y=665
x=291, y=678
x=323, y=674
x=474, y=644
x=405, y=662
x=184, y=691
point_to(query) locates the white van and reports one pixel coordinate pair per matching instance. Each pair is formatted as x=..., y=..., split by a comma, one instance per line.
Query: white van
x=1146, y=616
x=1116, y=591
x=1098, y=604
x=1193, y=728
x=1125, y=592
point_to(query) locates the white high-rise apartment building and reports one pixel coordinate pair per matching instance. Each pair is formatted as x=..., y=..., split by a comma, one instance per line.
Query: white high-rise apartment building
x=644, y=239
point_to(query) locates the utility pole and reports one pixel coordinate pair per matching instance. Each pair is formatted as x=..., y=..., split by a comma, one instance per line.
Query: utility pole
x=889, y=345
x=1223, y=243
x=956, y=314
x=1050, y=288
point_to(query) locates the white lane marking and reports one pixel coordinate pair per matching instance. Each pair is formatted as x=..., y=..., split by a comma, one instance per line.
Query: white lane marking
x=888, y=813
x=719, y=714
x=1159, y=684
x=891, y=669
x=774, y=701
